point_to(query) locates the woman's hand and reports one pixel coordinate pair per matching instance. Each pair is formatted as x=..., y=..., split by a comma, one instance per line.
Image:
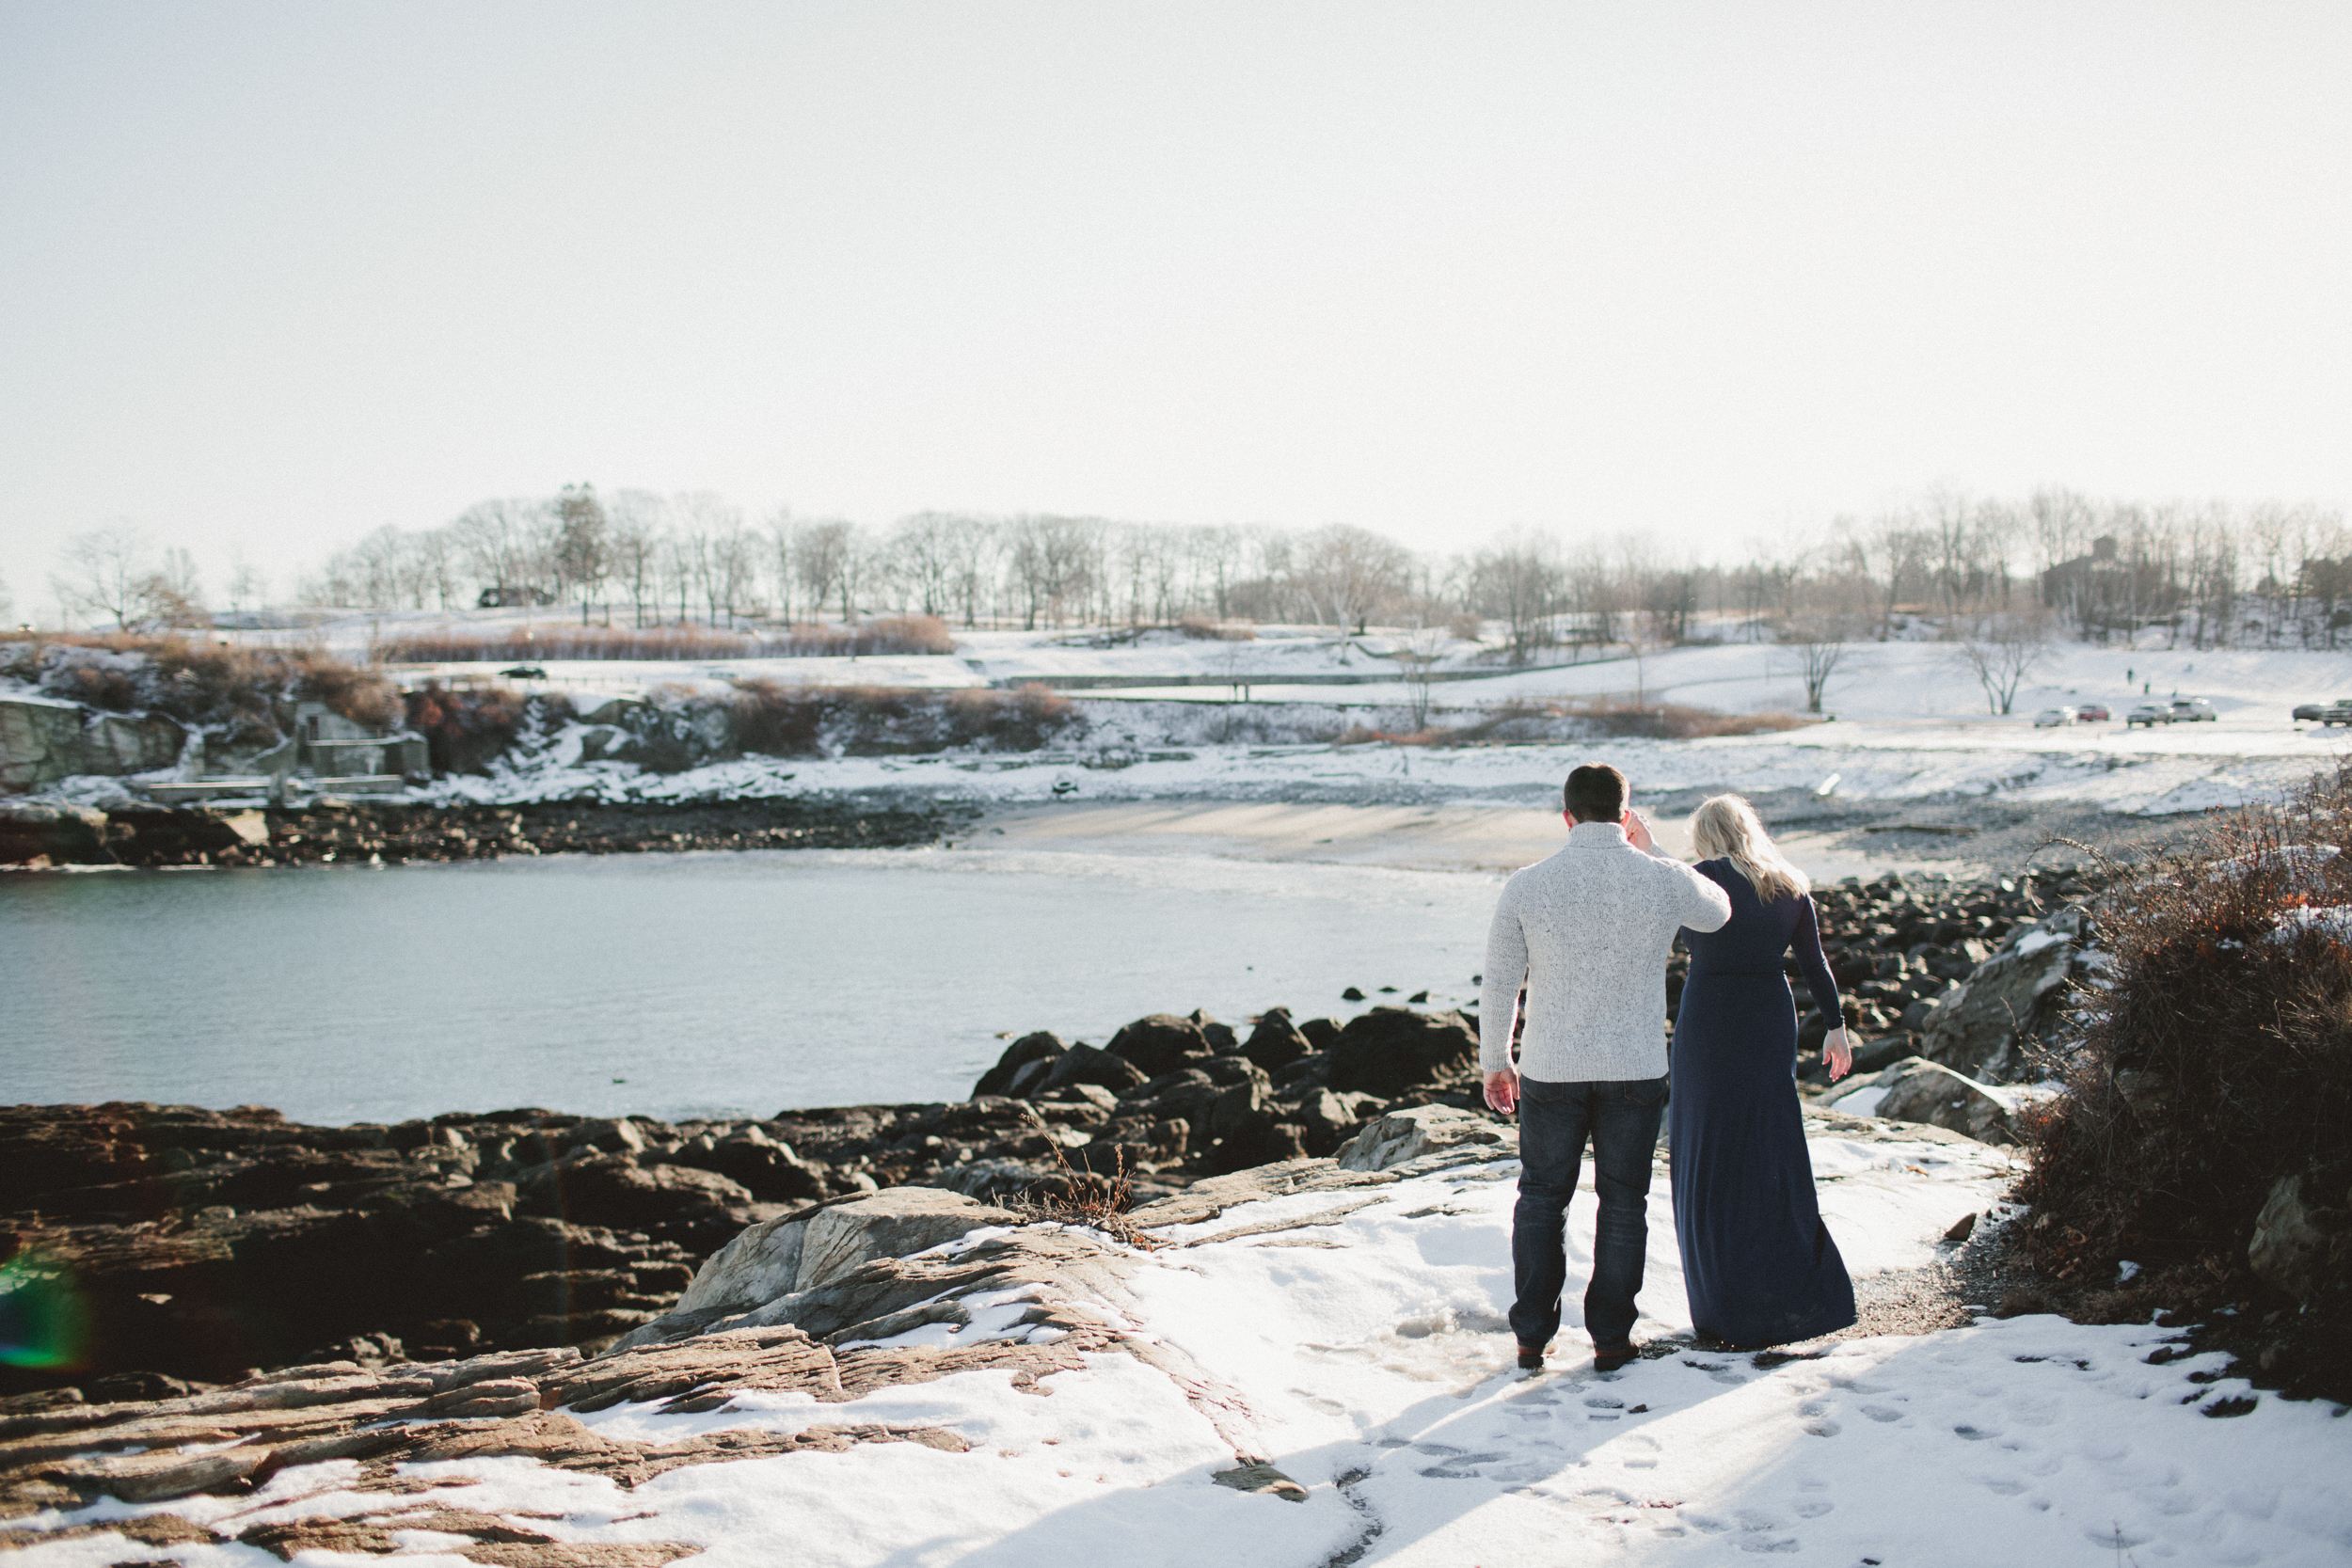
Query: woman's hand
x=1636, y=830
x=1837, y=1050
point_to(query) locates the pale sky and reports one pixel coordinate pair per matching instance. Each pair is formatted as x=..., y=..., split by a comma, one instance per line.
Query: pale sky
x=271, y=275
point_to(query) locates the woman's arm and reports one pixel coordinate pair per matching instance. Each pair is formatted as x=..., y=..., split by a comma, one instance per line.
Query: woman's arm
x=1836, y=1046
x=1807, y=941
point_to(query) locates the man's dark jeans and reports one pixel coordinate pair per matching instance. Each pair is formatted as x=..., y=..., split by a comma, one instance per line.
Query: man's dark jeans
x=1621, y=1119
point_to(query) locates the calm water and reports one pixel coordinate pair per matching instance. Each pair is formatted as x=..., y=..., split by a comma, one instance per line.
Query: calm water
x=672, y=985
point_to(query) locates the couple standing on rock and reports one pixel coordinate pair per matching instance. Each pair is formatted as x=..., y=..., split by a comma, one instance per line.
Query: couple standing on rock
x=1588, y=932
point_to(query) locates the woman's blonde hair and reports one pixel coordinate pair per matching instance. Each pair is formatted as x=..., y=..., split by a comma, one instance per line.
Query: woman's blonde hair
x=1726, y=828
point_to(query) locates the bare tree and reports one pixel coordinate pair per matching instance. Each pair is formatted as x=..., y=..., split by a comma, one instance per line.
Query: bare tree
x=633, y=526
x=503, y=542
x=2001, y=650
x=1889, y=552
x=1346, y=573
x=923, y=550
x=105, y=575
x=1515, y=580
x=1819, y=638
x=823, y=555
x=582, y=553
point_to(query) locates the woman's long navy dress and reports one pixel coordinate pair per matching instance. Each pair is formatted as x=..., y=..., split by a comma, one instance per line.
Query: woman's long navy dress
x=1758, y=1264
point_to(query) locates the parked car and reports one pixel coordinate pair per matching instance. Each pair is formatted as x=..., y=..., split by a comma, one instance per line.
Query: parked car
x=2337, y=712
x=2150, y=714
x=2050, y=718
x=2092, y=713
x=2193, y=710
x=2304, y=712
x=524, y=672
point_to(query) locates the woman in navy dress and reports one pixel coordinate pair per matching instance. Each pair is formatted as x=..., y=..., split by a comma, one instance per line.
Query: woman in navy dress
x=1757, y=1262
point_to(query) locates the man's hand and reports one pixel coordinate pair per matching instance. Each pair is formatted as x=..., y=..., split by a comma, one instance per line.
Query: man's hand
x=1837, y=1050
x=1636, y=827
x=1502, y=1090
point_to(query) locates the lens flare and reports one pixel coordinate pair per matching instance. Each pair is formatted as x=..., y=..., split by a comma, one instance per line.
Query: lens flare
x=42, y=1321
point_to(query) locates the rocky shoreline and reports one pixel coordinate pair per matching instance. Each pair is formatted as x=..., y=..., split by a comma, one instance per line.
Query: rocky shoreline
x=199, y=1244
x=36, y=836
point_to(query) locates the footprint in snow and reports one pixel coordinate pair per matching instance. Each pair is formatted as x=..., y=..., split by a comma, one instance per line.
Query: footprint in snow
x=1880, y=1413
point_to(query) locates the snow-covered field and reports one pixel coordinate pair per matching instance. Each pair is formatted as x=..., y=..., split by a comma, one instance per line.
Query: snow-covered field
x=1360, y=1339
x=1909, y=722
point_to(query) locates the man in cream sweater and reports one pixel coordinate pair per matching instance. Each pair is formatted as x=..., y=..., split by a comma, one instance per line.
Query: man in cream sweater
x=1587, y=931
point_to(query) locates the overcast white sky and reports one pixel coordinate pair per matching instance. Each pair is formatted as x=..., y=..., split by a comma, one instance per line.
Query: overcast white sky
x=273, y=274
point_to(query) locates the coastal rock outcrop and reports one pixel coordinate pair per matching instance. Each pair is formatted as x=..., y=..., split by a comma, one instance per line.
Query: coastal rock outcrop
x=1419, y=1130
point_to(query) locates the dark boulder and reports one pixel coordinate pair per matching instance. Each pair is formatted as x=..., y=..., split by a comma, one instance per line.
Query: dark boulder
x=1220, y=1036
x=771, y=1171
x=1028, y=1050
x=1389, y=1051
x=1159, y=1043
x=1322, y=1033
x=1259, y=1139
x=1275, y=1042
x=1083, y=1064
x=612, y=1190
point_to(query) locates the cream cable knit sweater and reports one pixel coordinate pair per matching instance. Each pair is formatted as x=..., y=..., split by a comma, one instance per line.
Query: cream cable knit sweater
x=1588, y=930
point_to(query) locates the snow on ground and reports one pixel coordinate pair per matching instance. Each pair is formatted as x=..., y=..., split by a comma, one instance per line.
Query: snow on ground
x=1853, y=760
x=1910, y=722
x=1366, y=1341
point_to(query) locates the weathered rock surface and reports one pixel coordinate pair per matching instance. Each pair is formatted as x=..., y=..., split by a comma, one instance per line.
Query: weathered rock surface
x=2301, y=1245
x=43, y=740
x=1923, y=1091
x=804, y=1250
x=1980, y=1027
x=1419, y=1130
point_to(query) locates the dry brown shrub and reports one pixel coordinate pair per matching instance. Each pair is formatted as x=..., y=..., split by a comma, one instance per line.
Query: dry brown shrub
x=1098, y=1200
x=892, y=634
x=1207, y=629
x=240, y=688
x=1523, y=719
x=2214, y=1059
x=465, y=729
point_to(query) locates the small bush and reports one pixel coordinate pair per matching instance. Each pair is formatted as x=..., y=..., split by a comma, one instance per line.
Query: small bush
x=465, y=730
x=896, y=634
x=1202, y=629
x=2214, y=1060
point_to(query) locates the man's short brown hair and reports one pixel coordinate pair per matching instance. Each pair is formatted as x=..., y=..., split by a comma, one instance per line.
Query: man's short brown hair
x=1595, y=792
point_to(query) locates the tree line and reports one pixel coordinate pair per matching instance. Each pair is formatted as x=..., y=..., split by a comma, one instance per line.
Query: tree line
x=1945, y=564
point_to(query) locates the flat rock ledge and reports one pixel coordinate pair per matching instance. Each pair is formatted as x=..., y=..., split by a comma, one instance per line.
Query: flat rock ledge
x=802, y=1304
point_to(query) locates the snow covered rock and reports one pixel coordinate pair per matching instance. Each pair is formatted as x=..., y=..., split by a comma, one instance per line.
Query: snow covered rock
x=1930, y=1092
x=2299, y=1243
x=802, y=1251
x=1408, y=1134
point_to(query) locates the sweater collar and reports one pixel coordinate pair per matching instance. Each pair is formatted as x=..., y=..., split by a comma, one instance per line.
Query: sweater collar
x=1596, y=836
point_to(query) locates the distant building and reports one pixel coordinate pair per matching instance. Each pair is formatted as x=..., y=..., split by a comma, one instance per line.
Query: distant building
x=510, y=595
